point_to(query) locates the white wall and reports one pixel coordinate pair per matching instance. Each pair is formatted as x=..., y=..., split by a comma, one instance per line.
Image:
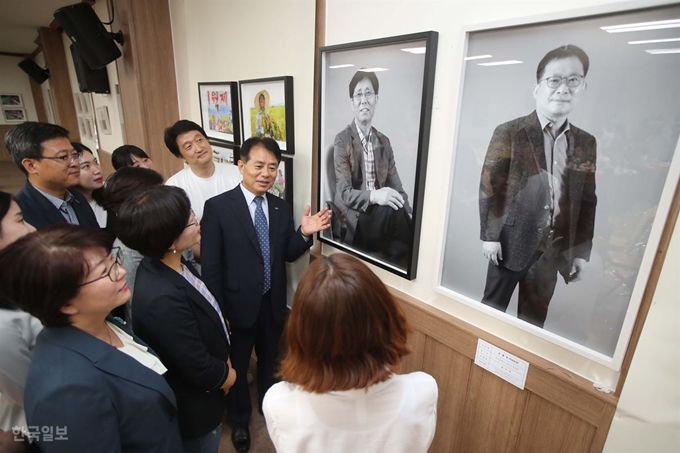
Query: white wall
x=217, y=41
x=15, y=81
x=235, y=40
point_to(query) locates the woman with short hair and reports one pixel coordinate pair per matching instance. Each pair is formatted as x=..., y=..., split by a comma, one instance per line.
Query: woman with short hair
x=131, y=156
x=346, y=337
x=92, y=385
x=175, y=313
x=18, y=331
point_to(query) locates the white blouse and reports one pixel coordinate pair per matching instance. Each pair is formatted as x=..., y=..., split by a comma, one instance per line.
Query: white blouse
x=395, y=416
x=137, y=351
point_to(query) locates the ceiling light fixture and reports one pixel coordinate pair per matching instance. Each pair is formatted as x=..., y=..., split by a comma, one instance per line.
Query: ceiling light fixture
x=500, y=63
x=477, y=57
x=642, y=26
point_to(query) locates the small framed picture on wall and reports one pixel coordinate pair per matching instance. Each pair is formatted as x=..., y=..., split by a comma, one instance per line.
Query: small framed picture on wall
x=283, y=183
x=224, y=153
x=104, y=121
x=11, y=100
x=12, y=115
x=219, y=111
x=267, y=110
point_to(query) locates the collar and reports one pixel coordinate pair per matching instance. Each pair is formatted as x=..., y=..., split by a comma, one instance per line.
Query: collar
x=361, y=134
x=56, y=201
x=547, y=123
x=249, y=196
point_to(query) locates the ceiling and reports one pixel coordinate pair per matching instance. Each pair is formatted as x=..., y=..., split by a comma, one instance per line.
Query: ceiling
x=20, y=20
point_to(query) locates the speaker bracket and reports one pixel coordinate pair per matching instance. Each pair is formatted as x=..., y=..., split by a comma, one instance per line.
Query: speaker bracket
x=118, y=37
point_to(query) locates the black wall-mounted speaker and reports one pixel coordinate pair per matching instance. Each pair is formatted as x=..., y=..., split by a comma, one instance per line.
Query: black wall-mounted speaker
x=34, y=71
x=89, y=80
x=92, y=41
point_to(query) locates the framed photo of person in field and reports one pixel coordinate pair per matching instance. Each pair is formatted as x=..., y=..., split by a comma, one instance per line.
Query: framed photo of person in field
x=267, y=110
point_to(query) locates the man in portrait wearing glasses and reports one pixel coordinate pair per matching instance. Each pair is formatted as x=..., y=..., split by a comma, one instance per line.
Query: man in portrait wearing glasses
x=537, y=193
x=43, y=152
x=372, y=204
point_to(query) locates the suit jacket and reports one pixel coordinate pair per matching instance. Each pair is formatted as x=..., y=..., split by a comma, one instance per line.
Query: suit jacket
x=181, y=325
x=514, y=195
x=40, y=212
x=351, y=196
x=104, y=399
x=232, y=263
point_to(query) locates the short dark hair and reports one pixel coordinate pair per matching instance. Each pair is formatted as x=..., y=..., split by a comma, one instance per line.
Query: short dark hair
x=177, y=129
x=5, y=202
x=566, y=51
x=25, y=140
x=152, y=220
x=345, y=330
x=42, y=271
x=361, y=75
x=126, y=183
x=81, y=148
x=122, y=156
x=268, y=143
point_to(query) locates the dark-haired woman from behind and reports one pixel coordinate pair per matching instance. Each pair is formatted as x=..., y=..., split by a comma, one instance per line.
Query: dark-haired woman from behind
x=18, y=331
x=131, y=156
x=101, y=386
x=175, y=313
x=346, y=337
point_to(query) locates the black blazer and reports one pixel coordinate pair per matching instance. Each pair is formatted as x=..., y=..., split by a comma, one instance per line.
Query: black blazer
x=108, y=401
x=181, y=325
x=231, y=260
x=514, y=198
x=40, y=212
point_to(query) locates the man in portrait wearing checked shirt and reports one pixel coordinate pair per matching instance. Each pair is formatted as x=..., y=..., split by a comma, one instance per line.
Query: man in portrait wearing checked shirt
x=372, y=204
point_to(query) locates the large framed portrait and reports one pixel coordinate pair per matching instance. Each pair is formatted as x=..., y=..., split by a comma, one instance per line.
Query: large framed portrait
x=565, y=164
x=219, y=111
x=376, y=104
x=267, y=109
x=283, y=184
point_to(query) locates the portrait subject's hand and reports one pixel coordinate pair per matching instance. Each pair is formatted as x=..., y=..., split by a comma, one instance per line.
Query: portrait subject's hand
x=310, y=224
x=493, y=252
x=387, y=196
x=576, y=269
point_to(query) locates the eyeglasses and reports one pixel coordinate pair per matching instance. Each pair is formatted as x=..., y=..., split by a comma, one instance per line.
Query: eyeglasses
x=114, y=269
x=368, y=95
x=572, y=81
x=195, y=222
x=66, y=158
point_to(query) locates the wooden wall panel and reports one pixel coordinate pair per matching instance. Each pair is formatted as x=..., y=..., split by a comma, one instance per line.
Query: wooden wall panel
x=65, y=109
x=493, y=407
x=451, y=371
x=39, y=101
x=105, y=162
x=548, y=428
x=414, y=361
x=146, y=76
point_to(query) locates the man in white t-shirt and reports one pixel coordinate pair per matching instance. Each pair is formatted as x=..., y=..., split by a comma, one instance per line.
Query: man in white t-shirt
x=201, y=178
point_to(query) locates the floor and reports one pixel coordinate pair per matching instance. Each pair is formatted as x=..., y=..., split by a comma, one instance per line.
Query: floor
x=11, y=178
x=260, y=442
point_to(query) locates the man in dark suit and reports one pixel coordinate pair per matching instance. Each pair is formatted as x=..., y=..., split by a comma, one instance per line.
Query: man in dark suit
x=372, y=203
x=537, y=193
x=248, y=235
x=42, y=151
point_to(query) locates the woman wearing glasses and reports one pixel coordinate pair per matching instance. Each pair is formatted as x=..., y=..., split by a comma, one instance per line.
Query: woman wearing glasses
x=92, y=386
x=175, y=313
x=18, y=331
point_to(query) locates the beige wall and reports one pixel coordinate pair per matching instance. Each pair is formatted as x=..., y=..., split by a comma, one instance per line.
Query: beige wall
x=15, y=81
x=221, y=41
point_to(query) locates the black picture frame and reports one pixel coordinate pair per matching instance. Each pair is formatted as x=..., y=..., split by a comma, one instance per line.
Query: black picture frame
x=276, y=90
x=405, y=68
x=283, y=186
x=213, y=92
x=224, y=152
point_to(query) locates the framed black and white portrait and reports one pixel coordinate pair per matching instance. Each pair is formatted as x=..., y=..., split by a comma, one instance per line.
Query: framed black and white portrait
x=565, y=164
x=376, y=104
